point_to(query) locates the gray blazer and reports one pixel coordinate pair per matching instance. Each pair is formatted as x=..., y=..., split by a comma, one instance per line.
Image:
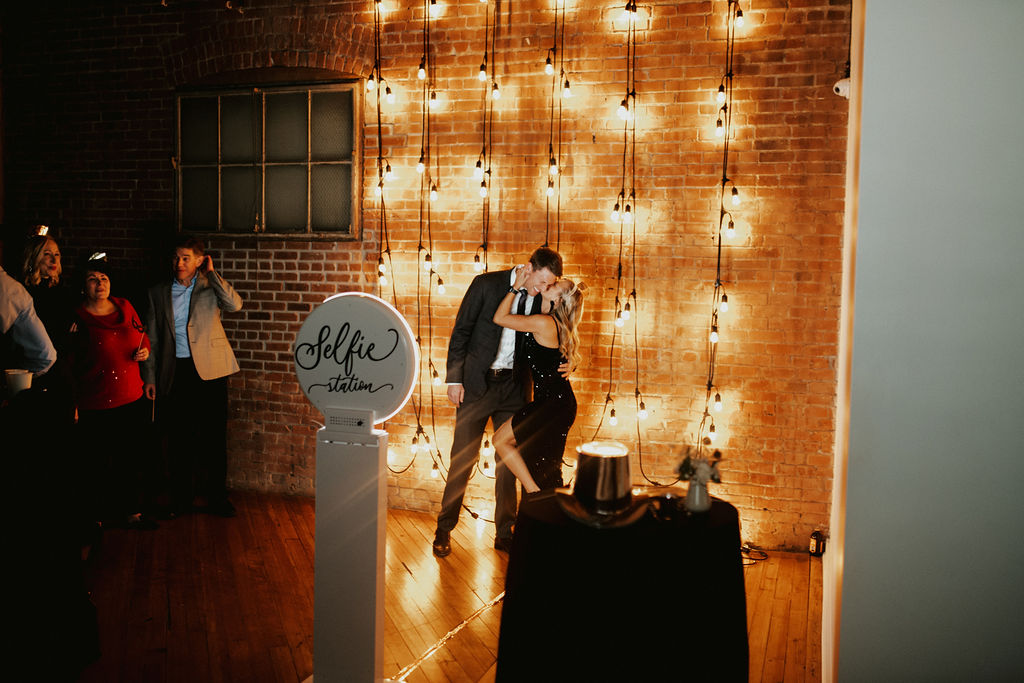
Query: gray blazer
x=207, y=341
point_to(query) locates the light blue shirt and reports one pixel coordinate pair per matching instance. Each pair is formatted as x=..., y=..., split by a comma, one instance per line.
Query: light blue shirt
x=181, y=297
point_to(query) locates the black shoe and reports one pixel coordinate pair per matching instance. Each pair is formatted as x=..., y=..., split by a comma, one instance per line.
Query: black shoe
x=502, y=544
x=221, y=508
x=442, y=543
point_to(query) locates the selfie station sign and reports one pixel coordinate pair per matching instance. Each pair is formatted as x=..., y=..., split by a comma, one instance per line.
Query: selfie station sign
x=356, y=360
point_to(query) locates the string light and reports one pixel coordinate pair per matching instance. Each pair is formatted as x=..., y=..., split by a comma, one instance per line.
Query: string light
x=719, y=129
x=730, y=231
x=428, y=263
x=627, y=215
x=735, y=196
x=724, y=307
x=739, y=18
x=433, y=192
x=433, y=99
x=714, y=334
x=712, y=434
x=478, y=266
x=718, y=403
x=440, y=290
x=549, y=68
x=433, y=8
x=420, y=165
x=478, y=170
x=625, y=312
x=422, y=72
x=612, y=420
x=388, y=95
x=495, y=93
x=615, y=213
x=720, y=95
x=623, y=111
x=434, y=471
x=566, y=90
x=370, y=82
x=483, y=72
x=642, y=414
x=483, y=189
x=550, y=191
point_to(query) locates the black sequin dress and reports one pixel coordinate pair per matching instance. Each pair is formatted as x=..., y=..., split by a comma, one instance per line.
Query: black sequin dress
x=542, y=426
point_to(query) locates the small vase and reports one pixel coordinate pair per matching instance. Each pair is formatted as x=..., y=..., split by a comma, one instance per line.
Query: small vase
x=697, y=498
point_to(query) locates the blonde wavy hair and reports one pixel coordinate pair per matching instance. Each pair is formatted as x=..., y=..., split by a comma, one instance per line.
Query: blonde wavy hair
x=33, y=256
x=567, y=310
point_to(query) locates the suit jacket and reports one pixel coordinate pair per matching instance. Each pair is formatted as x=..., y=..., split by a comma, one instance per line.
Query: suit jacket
x=475, y=338
x=207, y=341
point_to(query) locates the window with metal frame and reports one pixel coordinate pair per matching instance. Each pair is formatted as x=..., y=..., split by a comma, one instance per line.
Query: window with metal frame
x=282, y=160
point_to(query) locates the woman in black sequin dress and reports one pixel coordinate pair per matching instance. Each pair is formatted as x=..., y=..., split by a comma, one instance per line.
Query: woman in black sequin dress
x=532, y=442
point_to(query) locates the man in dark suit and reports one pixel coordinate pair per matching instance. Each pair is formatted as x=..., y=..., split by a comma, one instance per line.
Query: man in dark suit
x=485, y=381
x=188, y=368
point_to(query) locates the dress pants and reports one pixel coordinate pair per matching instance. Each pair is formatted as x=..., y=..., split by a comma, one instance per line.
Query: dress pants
x=504, y=396
x=195, y=413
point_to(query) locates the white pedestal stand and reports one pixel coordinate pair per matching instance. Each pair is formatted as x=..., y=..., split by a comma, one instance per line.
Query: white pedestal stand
x=348, y=599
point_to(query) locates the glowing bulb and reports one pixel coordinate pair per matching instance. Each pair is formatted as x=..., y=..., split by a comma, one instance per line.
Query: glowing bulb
x=388, y=173
x=433, y=193
x=477, y=265
x=627, y=215
x=735, y=197
x=551, y=189
x=478, y=170
x=730, y=231
x=483, y=72
x=612, y=420
x=725, y=304
x=381, y=268
x=371, y=83
x=383, y=281
x=718, y=403
x=712, y=434
x=437, y=379
x=434, y=472
x=483, y=188
x=714, y=334
x=388, y=95
x=642, y=413
x=720, y=95
x=495, y=93
x=719, y=130
x=433, y=8
x=615, y=213
x=379, y=189
x=739, y=18
x=549, y=68
x=552, y=166
x=566, y=90
x=488, y=449
x=427, y=262
x=486, y=465
x=440, y=290
x=420, y=166
x=623, y=111
x=392, y=456
x=415, y=445
x=433, y=99
x=422, y=72
x=619, y=322
x=625, y=312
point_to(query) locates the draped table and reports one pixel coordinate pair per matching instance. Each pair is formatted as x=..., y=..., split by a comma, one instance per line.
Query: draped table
x=661, y=598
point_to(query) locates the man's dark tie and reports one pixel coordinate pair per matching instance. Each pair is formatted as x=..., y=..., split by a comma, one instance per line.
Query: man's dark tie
x=521, y=306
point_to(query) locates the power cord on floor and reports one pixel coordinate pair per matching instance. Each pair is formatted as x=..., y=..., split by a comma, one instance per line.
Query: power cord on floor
x=751, y=555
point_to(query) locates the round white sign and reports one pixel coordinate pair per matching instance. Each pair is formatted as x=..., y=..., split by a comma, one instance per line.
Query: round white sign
x=356, y=351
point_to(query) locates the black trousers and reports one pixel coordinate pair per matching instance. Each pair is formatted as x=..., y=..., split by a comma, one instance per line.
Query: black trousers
x=504, y=396
x=194, y=416
x=120, y=462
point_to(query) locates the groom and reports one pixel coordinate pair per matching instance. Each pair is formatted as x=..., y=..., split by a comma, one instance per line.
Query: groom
x=486, y=382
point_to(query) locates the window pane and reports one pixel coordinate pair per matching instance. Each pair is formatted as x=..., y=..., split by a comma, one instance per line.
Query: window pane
x=286, y=127
x=331, y=126
x=331, y=197
x=199, y=129
x=239, y=137
x=286, y=198
x=240, y=203
x=199, y=198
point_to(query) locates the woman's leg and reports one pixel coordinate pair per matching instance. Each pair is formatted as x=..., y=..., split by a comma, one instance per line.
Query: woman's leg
x=505, y=446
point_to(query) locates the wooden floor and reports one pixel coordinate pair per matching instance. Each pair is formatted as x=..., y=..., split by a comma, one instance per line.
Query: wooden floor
x=211, y=599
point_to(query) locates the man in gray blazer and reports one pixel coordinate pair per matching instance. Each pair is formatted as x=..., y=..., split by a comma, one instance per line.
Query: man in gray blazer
x=188, y=369
x=486, y=381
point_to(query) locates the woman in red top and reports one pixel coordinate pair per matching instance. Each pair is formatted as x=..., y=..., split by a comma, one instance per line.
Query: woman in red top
x=110, y=342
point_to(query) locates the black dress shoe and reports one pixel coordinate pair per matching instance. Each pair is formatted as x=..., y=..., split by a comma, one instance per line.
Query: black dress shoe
x=502, y=544
x=442, y=543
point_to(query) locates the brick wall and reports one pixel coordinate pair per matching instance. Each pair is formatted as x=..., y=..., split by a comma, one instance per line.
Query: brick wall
x=88, y=95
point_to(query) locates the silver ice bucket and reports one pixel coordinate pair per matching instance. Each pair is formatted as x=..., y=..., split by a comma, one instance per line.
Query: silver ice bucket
x=602, y=477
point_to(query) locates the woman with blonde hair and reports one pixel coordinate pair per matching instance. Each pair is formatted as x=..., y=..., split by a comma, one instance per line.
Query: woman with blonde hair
x=532, y=442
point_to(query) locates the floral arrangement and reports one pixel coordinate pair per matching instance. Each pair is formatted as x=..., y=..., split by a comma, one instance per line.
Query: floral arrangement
x=696, y=467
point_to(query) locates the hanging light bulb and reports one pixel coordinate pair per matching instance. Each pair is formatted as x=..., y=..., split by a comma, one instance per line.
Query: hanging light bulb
x=478, y=265
x=483, y=188
x=389, y=175
x=720, y=95
x=615, y=213
x=730, y=231
x=642, y=413
x=552, y=166
x=420, y=165
x=440, y=290
x=725, y=304
x=627, y=215
x=714, y=334
x=433, y=8
x=433, y=99
x=712, y=434
x=625, y=312
x=436, y=379
x=549, y=68
x=719, y=128
x=392, y=456
x=433, y=192
x=623, y=110
x=495, y=93
x=612, y=420
x=566, y=90
x=370, y=82
x=550, y=191
x=483, y=72
x=488, y=450
x=381, y=267
x=379, y=188
x=415, y=445
x=421, y=73
x=434, y=472
x=735, y=197
x=718, y=403
x=478, y=170
x=427, y=262
x=628, y=11
x=739, y=18
x=388, y=95
x=619, y=322
x=383, y=281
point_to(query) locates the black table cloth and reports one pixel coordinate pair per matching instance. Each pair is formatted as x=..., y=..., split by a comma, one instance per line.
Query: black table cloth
x=660, y=599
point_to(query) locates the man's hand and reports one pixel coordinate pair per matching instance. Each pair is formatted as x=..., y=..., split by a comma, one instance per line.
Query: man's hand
x=456, y=392
x=150, y=391
x=206, y=265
